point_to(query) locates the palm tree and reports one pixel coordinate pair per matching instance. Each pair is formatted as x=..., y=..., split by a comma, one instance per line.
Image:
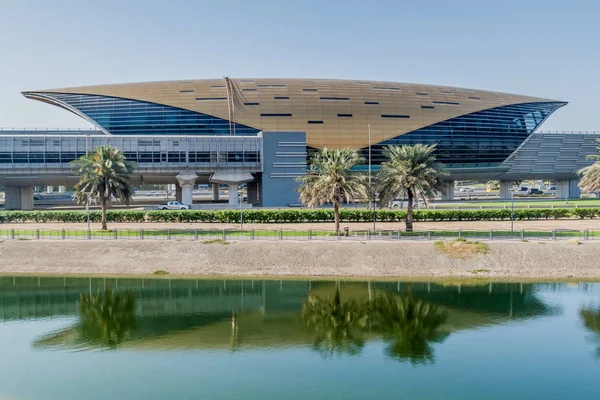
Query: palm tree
x=330, y=180
x=410, y=324
x=410, y=171
x=105, y=319
x=104, y=173
x=493, y=184
x=590, y=175
x=338, y=326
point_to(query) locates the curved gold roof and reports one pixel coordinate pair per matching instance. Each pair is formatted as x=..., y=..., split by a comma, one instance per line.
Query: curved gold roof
x=345, y=107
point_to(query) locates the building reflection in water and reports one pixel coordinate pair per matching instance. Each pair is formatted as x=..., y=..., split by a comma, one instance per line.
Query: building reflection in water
x=334, y=318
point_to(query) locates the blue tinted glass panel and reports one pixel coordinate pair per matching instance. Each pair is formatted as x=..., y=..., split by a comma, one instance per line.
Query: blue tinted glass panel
x=132, y=117
x=481, y=139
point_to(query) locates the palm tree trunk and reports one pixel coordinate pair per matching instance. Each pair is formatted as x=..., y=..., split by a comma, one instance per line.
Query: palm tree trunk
x=409, y=211
x=336, y=216
x=104, y=228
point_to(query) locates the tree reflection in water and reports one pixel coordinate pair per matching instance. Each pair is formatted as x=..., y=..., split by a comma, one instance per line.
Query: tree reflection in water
x=591, y=320
x=106, y=319
x=408, y=323
x=338, y=326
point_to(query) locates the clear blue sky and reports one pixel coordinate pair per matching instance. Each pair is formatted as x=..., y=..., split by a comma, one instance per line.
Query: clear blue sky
x=547, y=48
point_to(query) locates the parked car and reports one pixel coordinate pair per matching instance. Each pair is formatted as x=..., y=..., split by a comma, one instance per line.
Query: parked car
x=519, y=190
x=173, y=205
x=533, y=191
x=465, y=189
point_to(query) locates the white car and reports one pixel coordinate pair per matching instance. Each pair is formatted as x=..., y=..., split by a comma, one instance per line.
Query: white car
x=465, y=189
x=173, y=205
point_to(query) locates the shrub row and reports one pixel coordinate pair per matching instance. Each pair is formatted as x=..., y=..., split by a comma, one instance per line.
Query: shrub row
x=294, y=215
x=71, y=216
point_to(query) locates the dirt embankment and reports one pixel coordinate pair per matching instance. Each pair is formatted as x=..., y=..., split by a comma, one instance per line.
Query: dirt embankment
x=393, y=259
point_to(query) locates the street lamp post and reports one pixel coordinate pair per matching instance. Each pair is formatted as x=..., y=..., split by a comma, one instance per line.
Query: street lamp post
x=87, y=209
x=241, y=212
x=371, y=193
x=512, y=213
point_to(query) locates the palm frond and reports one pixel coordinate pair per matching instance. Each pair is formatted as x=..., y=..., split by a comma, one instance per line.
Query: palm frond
x=330, y=178
x=590, y=178
x=409, y=168
x=104, y=173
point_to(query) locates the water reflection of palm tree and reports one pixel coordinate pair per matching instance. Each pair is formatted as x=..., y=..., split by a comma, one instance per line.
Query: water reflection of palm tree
x=591, y=320
x=410, y=324
x=338, y=326
x=106, y=318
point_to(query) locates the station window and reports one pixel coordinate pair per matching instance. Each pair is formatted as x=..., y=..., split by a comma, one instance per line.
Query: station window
x=452, y=103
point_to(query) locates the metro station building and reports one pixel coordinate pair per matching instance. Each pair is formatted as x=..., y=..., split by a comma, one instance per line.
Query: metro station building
x=260, y=132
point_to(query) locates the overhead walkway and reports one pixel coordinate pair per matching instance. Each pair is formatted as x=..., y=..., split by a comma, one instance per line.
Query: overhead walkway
x=28, y=160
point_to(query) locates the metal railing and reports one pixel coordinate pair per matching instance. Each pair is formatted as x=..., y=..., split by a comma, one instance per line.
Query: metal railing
x=569, y=132
x=208, y=235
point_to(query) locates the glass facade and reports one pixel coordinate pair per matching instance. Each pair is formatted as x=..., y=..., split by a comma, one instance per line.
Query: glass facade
x=132, y=117
x=164, y=150
x=481, y=139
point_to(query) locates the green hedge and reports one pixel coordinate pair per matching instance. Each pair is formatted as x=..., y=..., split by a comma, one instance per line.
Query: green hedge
x=295, y=215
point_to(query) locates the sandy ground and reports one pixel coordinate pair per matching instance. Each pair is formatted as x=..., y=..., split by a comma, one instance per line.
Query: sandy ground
x=393, y=259
x=476, y=225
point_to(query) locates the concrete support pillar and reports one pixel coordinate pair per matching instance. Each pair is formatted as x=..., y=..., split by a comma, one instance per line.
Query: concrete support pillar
x=185, y=187
x=233, y=181
x=49, y=189
x=171, y=188
x=18, y=197
x=215, y=191
x=253, y=192
x=178, y=194
x=505, y=187
x=568, y=189
x=574, y=190
x=233, y=194
x=448, y=191
x=62, y=189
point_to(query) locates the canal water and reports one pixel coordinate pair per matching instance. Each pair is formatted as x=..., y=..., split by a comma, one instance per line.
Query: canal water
x=81, y=338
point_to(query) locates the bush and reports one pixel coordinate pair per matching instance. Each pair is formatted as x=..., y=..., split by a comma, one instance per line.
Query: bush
x=294, y=215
